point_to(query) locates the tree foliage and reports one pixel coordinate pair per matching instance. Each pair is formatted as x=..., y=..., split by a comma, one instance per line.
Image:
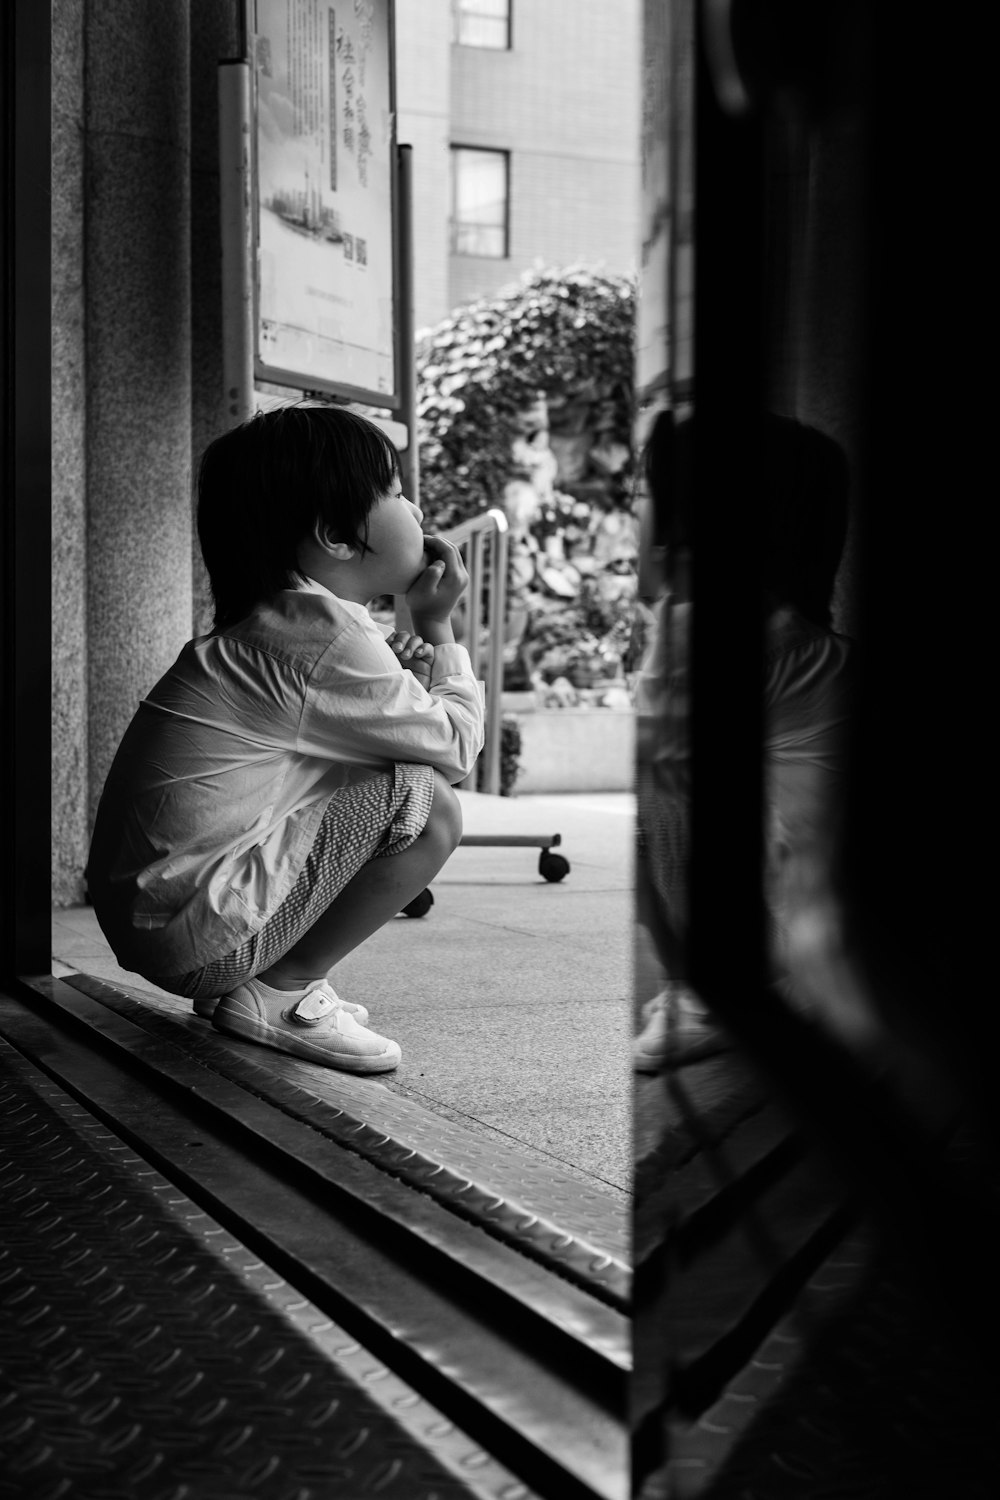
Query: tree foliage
x=567, y=333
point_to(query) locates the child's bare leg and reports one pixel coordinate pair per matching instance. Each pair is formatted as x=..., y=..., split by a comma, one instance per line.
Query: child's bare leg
x=377, y=893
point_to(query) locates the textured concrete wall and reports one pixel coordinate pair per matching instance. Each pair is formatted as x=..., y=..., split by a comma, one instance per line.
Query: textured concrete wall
x=562, y=211
x=576, y=750
x=137, y=369
x=423, y=99
x=70, y=829
x=569, y=86
x=138, y=358
x=564, y=101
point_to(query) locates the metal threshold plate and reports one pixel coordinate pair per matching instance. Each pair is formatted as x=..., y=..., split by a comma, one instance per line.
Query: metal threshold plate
x=546, y=1213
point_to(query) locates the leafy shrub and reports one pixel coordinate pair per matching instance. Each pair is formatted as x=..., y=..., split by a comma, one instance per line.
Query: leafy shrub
x=567, y=333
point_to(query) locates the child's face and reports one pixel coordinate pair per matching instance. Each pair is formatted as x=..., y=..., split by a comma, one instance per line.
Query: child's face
x=396, y=544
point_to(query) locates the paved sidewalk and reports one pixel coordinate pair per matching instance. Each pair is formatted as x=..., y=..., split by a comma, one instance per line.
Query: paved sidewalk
x=512, y=998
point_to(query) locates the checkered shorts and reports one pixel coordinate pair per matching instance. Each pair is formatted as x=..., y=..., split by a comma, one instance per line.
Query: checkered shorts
x=371, y=819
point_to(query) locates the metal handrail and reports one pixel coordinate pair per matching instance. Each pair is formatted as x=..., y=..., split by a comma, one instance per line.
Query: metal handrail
x=483, y=543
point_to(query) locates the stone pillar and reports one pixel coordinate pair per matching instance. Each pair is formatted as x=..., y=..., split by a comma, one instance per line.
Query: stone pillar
x=70, y=828
x=138, y=358
x=423, y=119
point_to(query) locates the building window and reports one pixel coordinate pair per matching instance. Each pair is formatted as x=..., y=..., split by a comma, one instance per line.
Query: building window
x=480, y=190
x=483, y=23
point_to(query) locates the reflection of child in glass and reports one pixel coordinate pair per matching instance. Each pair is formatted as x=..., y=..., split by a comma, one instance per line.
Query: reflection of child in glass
x=807, y=676
x=286, y=788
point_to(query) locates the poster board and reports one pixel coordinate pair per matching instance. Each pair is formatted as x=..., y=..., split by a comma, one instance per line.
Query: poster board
x=324, y=198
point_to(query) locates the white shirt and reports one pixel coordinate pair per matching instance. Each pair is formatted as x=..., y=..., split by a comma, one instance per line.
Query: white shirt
x=220, y=783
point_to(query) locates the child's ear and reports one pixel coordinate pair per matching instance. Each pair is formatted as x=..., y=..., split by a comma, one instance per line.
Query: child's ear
x=340, y=551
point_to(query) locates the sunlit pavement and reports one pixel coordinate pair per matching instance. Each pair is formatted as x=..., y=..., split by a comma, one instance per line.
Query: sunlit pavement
x=512, y=998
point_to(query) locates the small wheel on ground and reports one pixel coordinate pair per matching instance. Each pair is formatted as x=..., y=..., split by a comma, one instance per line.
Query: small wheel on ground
x=420, y=905
x=552, y=866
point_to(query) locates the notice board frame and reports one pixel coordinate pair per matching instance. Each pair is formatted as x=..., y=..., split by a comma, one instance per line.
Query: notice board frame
x=312, y=222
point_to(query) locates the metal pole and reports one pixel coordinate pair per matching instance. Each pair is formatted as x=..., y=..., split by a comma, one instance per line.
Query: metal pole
x=410, y=457
x=494, y=674
x=235, y=202
x=474, y=598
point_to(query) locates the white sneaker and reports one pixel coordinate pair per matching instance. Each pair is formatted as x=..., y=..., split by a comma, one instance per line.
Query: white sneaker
x=206, y=1007
x=675, y=1032
x=315, y=1025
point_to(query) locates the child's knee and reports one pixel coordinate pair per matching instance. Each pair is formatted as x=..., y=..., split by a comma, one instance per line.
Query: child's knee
x=444, y=823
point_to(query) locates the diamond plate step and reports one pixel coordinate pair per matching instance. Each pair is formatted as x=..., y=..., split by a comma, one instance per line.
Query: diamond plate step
x=527, y=1363
x=147, y=1352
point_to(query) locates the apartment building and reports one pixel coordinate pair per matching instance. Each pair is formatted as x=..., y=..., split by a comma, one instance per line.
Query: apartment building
x=524, y=118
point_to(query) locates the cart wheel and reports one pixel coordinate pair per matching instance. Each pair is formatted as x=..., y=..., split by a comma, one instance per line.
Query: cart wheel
x=420, y=905
x=552, y=866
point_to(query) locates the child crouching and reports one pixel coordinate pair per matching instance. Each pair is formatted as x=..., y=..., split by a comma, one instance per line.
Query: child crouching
x=286, y=788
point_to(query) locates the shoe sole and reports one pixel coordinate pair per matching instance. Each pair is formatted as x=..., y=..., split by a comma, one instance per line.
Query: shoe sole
x=294, y=1044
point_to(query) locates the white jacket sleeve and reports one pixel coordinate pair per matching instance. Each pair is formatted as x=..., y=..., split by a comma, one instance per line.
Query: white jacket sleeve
x=363, y=706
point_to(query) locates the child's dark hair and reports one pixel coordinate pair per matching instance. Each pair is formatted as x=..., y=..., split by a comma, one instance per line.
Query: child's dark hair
x=265, y=486
x=806, y=484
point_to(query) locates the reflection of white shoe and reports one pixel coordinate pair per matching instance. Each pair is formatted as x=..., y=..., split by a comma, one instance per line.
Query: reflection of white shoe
x=314, y=1025
x=676, y=1031
x=206, y=1008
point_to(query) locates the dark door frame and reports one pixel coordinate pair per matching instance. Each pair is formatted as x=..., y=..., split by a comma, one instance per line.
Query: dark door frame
x=26, y=588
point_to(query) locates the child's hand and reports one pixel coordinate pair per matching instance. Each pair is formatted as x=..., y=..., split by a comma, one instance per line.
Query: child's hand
x=414, y=653
x=436, y=591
